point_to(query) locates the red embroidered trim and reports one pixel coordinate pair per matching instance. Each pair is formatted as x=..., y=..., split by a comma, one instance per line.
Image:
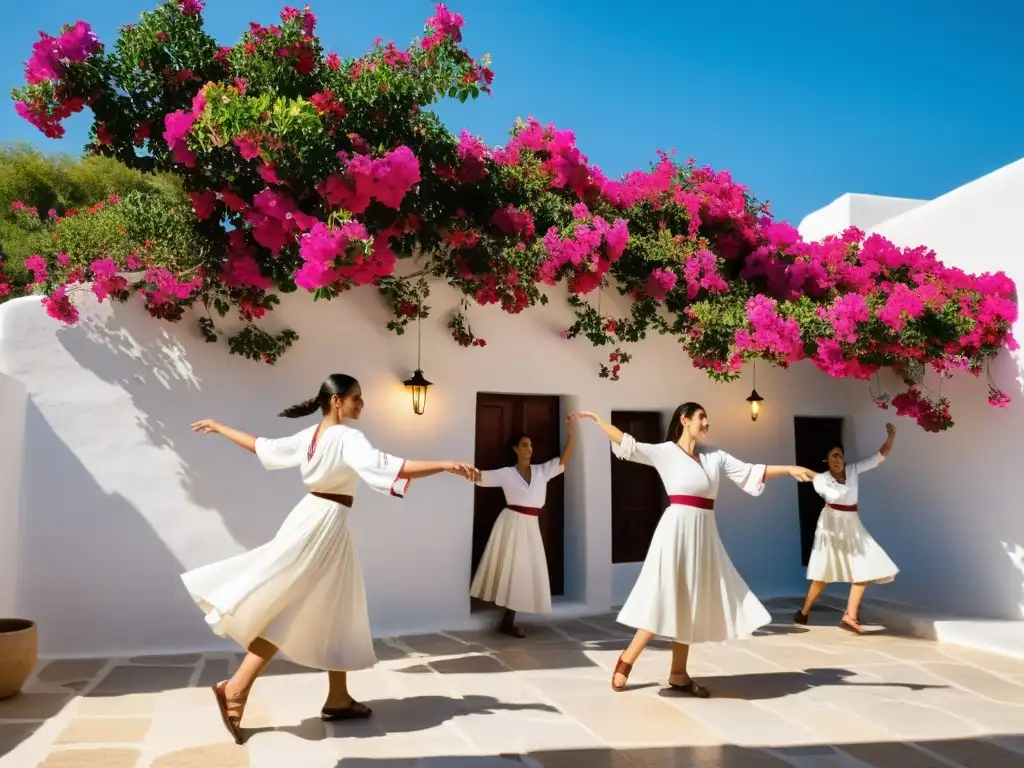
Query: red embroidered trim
x=312, y=445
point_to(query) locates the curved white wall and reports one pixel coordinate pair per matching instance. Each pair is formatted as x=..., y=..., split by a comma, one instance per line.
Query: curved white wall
x=118, y=496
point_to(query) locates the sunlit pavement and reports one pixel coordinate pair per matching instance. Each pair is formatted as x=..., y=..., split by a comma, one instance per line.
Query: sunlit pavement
x=794, y=696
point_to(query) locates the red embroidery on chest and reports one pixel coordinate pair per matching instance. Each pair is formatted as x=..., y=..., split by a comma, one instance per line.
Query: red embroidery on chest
x=312, y=444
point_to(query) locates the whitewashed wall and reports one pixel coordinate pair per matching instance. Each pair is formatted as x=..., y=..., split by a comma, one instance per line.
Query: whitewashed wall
x=948, y=506
x=118, y=496
x=12, y=423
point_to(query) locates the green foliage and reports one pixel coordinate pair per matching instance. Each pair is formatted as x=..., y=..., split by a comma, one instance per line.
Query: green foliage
x=156, y=209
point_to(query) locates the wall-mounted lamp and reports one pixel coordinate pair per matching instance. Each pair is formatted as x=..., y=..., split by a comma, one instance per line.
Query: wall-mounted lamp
x=418, y=383
x=755, y=399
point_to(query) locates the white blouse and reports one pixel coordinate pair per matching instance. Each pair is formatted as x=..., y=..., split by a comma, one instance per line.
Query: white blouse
x=518, y=492
x=684, y=475
x=834, y=492
x=342, y=455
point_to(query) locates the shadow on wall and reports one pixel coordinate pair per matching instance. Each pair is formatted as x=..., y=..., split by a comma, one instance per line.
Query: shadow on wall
x=209, y=499
x=170, y=387
x=95, y=543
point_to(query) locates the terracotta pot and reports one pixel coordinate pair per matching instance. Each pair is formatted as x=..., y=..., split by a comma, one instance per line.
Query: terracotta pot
x=19, y=646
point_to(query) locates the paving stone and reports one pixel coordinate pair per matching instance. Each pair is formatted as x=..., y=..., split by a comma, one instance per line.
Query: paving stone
x=105, y=730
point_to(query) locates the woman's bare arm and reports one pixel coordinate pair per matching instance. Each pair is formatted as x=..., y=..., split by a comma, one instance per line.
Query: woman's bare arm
x=614, y=433
x=889, y=440
x=236, y=436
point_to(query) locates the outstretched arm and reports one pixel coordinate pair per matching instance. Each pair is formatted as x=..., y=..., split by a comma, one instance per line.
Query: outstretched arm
x=624, y=445
x=889, y=440
x=413, y=469
x=236, y=436
x=800, y=474
x=569, y=443
x=614, y=433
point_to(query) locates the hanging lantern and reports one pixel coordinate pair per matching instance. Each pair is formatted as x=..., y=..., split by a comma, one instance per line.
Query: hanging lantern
x=418, y=384
x=755, y=399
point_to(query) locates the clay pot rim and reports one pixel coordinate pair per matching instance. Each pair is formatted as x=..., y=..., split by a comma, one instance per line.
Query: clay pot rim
x=9, y=626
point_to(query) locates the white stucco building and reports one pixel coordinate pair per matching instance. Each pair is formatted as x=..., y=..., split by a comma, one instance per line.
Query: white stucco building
x=107, y=496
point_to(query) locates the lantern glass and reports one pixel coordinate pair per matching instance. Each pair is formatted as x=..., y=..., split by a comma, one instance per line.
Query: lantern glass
x=418, y=386
x=755, y=401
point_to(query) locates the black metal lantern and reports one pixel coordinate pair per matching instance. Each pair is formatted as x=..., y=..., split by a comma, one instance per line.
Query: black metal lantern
x=418, y=383
x=755, y=399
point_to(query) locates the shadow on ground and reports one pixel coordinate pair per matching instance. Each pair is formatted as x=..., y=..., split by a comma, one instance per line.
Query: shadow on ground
x=995, y=752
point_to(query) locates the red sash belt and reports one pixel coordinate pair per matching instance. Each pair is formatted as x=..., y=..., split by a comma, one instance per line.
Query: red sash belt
x=844, y=507
x=692, y=501
x=337, y=498
x=531, y=511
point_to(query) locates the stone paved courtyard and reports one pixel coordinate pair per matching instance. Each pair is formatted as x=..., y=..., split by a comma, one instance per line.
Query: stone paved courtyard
x=795, y=696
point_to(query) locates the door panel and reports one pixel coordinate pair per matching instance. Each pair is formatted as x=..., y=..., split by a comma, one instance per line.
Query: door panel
x=638, y=497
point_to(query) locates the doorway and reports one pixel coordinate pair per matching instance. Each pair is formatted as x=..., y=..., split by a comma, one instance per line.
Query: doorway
x=498, y=417
x=815, y=437
x=638, y=497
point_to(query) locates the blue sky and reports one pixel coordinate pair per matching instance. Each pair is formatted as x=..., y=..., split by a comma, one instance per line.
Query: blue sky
x=801, y=100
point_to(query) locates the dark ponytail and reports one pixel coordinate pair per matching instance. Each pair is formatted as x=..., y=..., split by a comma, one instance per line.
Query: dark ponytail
x=675, y=426
x=338, y=384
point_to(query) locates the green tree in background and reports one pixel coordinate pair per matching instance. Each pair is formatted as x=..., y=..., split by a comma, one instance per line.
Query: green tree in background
x=54, y=185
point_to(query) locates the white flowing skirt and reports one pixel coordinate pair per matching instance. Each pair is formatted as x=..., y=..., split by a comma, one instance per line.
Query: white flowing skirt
x=302, y=591
x=844, y=551
x=513, y=572
x=688, y=589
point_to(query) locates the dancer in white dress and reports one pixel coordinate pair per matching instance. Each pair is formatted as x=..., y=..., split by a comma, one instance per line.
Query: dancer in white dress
x=302, y=592
x=688, y=589
x=843, y=549
x=513, y=571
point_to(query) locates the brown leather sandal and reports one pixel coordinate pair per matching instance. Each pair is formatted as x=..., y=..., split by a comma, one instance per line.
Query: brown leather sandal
x=850, y=624
x=507, y=628
x=691, y=688
x=354, y=711
x=621, y=668
x=231, y=723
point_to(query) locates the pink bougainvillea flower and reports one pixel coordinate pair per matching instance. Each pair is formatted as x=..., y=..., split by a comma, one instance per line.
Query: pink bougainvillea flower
x=443, y=25
x=191, y=7
x=58, y=306
x=248, y=146
x=268, y=172
x=242, y=270
x=204, y=203
x=36, y=264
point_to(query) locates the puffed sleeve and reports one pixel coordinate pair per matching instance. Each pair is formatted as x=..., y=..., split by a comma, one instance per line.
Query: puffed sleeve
x=830, y=489
x=749, y=477
x=630, y=450
x=284, y=452
x=552, y=468
x=866, y=465
x=377, y=469
x=490, y=478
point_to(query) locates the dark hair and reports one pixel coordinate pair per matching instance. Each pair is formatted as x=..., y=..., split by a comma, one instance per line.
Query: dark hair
x=338, y=384
x=675, y=427
x=837, y=445
x=513, y=442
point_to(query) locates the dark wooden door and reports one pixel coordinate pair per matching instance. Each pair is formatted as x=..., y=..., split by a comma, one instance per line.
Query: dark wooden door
x=497, y=418
x=638, y=497
x=815, y=437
